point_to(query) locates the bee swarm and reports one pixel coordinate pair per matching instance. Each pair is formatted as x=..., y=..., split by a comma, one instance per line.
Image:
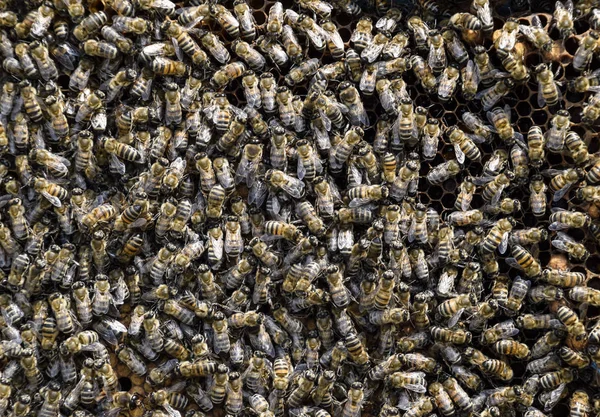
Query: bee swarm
x=299, y=208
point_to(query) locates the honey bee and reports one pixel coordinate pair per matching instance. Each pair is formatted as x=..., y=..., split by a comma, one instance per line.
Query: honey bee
x=490, y=96
x=591, y=109
x=567, y=244
x=500, y=118
x=424, y=73
x=498, y=236
x=448, y=82
x=481, y=132
x=464, y=147
x=537, y=196
x=563, y=18
x=247, y=22
x=548, y=92
x=562, y=219
x=443, y=171
x=518, y=291
x=554, y=379
x=562, y=181
x=537, y=35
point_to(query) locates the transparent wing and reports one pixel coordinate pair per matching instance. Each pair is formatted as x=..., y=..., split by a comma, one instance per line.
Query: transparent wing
x=416, y=388
x=555, y=226
x=55, y=201
x=504, y=243
x=217, y=245
x=455, y=318
x=357, y=202
x=460, y=156
x=512, y=262
x=117, y=164
x=301, y=170
x=561, y=193
x=178, y=51
x=293, y=187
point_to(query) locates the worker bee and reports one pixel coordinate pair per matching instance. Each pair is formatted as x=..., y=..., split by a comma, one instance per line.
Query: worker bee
x=457, y=393
x=556, y=378
x=537, y=196
x=548, y=92
x=500, y=118
x=247, y=22
x=448, y=82
x=494, y=186
x=464, y=147
x=424, y=73
x=537, y=35
x=481, y=132
x=562, y=180
x=490, y=96
x=227, y=73
x=443, y=171
x=567, y=244
x=563, y=18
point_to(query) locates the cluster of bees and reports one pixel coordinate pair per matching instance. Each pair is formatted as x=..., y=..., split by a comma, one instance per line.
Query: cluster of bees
x=239, y=207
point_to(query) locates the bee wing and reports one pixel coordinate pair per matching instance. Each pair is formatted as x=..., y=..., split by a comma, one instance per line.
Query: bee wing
x=416, y=388
x=480, y=94
x=316, y=37
x=460, y=156
x=275, y=205
x=252, y=99
x=357, y=202
x=433, y=56
x=228, y=246
x=363, y=117
x=555, y=226
x=507, y=40
x=342, y=107
x=336, y=39
x=356, y=174
x=318, y=164
x=474, y=71
x=559, y=244
x=178, y=51
x=163, y=4
x=552, y=172
x=496, y=197
x=258, y=193
x=490, y=116
x=507, y=112
x=293, y=187
x=170, y=410
x=109, y=329
x=541, y=101
x=520, y=140
x=554, y=396
x=41, y=24
x=561, y=193
x=504, y=243
x=301, y=169
x=326, y=121
x=476, y=138
x=569, y=6
x=217, y=245
x=55, y=201
x=455, y=318
x=117, y=164
x=565, y=237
